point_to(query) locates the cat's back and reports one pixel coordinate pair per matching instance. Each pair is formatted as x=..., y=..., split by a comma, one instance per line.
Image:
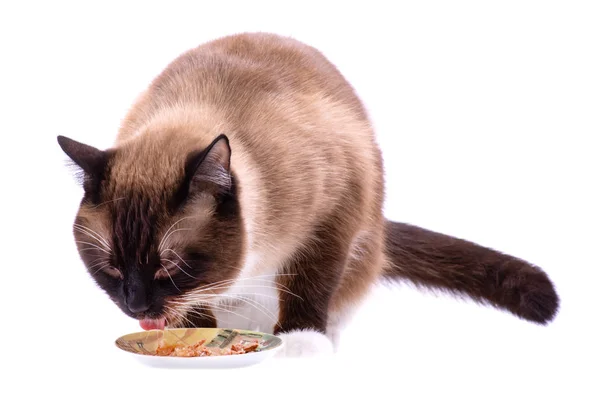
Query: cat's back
x=251, y=77
x=282, y=98
x=245, y=68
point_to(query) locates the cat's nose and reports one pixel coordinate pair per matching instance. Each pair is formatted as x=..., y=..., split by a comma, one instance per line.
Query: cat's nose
x=138, y=307
x=137, y=301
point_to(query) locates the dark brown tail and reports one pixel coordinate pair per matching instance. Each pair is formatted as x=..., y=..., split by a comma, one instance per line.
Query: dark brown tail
x=443, y=262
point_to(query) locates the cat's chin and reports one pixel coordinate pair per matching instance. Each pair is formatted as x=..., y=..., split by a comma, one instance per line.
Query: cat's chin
x=149, y=324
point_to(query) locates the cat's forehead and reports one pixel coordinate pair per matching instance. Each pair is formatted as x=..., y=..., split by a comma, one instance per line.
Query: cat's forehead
x=145, y=170
x=135, y=225
x=141, y=194
x=153, y=162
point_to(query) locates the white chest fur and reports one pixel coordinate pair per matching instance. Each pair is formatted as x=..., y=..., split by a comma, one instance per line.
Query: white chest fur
x=251, y=303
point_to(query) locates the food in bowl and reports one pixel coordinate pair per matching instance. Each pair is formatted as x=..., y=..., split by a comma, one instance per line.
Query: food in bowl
x=199, y=350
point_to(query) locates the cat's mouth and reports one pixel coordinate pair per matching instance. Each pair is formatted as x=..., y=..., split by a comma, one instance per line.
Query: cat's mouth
x=149, y=324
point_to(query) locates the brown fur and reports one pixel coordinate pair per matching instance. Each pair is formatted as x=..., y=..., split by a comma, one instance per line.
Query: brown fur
x=308, y=189
x=439, y=261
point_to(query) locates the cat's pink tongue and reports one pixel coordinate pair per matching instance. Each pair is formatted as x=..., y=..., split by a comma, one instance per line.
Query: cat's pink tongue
x=148, y=324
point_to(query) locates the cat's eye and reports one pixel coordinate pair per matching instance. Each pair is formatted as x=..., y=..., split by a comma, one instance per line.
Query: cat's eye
x=114, y=272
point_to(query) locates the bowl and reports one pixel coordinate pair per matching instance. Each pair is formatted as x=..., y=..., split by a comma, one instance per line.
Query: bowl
x=142, y=346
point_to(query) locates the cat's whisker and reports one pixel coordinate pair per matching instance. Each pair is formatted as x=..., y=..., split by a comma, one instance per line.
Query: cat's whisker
x=93, y=234
x=90, y=230
x=245, y=297
x=175, y=314
x=108, y=201
x=256, y=305
x=188, y=306
x=172, y=281
x=99, y=263
x=224, y=309
x=181, y=269
x=100, y=243
x=212, y=286
x=209, y=288
x=180, y=320
x=200, y=295
x=218, y=283
x=178, y=256
x=167, y=259
x=99, y=258
x=204, y=303
x=88, y=249
x=93, y=245
x=279, y=286
x=253, y=286
x=164, y=240
x=100, y=269
x=194, y=310
x=168, y=230
x=217, y=296
x=198, y=313
x=184, y=317
x=254, y=294
x=173, y=310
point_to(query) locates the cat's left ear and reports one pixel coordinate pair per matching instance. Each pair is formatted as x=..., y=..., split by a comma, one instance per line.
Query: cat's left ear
x=210, y=168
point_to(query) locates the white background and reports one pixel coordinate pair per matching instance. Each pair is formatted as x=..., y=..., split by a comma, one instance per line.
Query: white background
x=488, y=115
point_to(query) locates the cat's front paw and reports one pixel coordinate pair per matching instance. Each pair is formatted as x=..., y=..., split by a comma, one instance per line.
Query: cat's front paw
x=305, y=343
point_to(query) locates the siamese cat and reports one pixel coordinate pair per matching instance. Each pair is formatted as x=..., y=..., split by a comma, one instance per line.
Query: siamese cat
x=245, y=190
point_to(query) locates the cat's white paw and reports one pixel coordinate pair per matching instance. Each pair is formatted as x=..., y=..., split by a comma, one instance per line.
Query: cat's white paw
x=305, y=343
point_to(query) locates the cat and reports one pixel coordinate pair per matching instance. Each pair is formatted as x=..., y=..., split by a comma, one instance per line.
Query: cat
x=245, y=190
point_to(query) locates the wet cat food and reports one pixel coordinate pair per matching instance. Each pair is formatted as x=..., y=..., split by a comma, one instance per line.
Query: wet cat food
x=199, y=350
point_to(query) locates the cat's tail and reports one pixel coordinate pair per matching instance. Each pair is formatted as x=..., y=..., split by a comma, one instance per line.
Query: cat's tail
x=439, y=261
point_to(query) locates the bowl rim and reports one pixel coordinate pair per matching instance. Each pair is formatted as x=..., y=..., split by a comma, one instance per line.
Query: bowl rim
x=276, y=347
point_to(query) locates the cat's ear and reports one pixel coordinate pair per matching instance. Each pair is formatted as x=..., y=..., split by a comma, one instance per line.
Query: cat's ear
x=209, y=169
x=91, y=160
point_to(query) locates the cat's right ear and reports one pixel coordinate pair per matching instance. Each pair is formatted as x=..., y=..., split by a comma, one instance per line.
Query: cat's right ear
x=90, y=160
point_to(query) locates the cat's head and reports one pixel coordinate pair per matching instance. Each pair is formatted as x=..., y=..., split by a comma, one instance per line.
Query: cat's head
x=159, y=227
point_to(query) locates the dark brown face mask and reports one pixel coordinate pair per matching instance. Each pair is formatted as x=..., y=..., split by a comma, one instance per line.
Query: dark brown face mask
x=134, y=264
